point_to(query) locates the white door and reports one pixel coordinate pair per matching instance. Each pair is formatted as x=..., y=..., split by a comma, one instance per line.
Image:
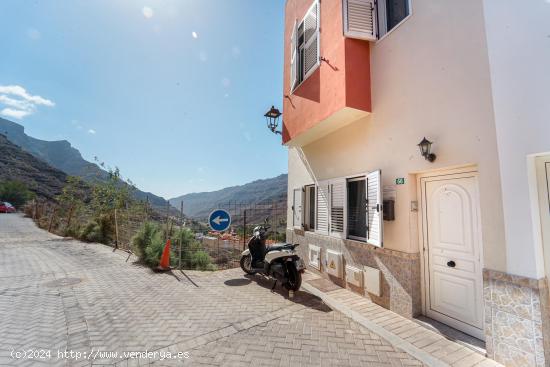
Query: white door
x=452, y=252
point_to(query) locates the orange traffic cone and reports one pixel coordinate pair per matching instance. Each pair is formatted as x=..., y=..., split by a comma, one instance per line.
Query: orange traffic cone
x=165, y=258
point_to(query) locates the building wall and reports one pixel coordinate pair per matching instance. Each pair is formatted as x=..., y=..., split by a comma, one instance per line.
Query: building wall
x=430, y=77
x=342, y=79
x=518, y=38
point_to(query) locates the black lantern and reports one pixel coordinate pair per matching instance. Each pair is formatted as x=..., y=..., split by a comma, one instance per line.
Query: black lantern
x=425, y=146
x=272, y=118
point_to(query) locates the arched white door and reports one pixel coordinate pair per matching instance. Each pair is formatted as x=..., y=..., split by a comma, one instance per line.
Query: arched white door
x=452, y=258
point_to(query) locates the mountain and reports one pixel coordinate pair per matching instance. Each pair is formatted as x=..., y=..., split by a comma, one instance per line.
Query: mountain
x=61, y=155
x=199, y=205
x=41, y=178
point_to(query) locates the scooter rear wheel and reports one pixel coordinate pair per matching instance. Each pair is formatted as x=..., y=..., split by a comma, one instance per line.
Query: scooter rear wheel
x=246, y=264
x=294, y=279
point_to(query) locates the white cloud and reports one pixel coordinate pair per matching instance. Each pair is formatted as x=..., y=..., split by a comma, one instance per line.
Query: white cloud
x=194, y=35
x=147, y=12
x=33, y=34
x=16, y=114
x=19, y=103
x=18, y=91
x=91, y=131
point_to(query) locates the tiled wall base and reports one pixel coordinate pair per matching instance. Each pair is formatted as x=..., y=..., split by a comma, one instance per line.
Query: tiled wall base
x=517, y=319
x=400, y=271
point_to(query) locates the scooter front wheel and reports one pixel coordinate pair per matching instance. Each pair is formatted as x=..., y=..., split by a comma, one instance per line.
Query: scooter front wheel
x=246, y=264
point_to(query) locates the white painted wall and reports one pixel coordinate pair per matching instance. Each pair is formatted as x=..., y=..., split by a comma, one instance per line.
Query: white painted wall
x=518, y=42
x=430, y=77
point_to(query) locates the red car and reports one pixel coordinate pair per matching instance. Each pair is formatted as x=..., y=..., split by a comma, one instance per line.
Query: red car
x=6, y=207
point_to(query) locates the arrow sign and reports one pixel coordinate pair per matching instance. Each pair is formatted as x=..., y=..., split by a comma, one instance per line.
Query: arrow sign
x=219, y=220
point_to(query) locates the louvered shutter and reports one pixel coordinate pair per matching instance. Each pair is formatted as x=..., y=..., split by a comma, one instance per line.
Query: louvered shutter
x=360, y=19
x=337, y=206
x=322, y=214
x=293, y=63
x=374, y=209
x=297, y=208
x=311, y=39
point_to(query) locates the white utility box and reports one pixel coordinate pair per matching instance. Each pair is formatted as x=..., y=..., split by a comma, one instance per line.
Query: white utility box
x=354, y=276
x=334, y=264
x=314, y=257
x=372, y=280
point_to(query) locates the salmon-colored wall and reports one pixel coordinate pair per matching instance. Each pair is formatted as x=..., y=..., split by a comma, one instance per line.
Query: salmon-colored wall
x=343, y=80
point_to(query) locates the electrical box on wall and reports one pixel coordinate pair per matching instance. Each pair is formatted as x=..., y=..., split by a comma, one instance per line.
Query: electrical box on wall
x=372, y=280
x=354, y=276
x=314, y=257
x=334, y=263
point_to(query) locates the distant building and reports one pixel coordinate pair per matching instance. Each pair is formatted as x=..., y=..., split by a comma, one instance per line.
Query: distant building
x=466, y=240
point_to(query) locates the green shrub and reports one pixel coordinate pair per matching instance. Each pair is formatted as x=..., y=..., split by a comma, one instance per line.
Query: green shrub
x=143, y=238
x=148, y=244
x=200, y=260
x=154, y=249
x=15, y=192
x=99, y=230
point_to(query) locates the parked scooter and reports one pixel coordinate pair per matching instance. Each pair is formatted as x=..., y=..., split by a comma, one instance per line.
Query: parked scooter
x=279, y=261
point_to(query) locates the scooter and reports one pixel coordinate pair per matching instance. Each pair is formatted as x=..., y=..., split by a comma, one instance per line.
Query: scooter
x=279, y=261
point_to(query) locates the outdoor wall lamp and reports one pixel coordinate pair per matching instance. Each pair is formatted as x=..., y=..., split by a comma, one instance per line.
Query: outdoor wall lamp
x=425, y=146
x=272, y=118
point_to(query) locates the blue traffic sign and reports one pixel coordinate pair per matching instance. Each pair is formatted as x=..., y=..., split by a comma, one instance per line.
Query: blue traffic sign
x=219, y=220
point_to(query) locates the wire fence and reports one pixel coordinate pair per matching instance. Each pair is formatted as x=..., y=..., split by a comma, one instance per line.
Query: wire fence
x=205, y=250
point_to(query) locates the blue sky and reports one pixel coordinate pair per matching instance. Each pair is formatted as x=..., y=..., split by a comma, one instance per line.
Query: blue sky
x=172, y=92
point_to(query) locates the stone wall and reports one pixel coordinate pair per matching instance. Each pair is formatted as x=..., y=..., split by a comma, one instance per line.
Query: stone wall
x=517, y=319
x=400, y=283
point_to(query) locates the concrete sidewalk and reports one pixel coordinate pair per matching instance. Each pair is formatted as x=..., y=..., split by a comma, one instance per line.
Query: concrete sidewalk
x=429, y=347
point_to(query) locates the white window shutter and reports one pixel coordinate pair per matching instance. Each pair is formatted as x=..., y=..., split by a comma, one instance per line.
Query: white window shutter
x=311, y=37
x=297, y=205
x=322, y=214
x=293, y=63
x=360, y=19
x=374, y=209
x=337, y=207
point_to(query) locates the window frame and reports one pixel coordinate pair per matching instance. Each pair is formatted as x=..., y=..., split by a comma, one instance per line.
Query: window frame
x=380, y=38
x=345, y=233
x=348, y=236
x=307, y=206
x=301, y=224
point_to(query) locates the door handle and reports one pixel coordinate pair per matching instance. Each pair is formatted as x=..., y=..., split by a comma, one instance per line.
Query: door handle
x=451, y=264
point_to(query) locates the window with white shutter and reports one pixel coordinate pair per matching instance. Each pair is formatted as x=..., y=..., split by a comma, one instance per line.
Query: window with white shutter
x=311, y=40
x=370, y=19
x=322, y=215
x=293, y=64
x=305, y=45
x=297, y=208
x=337, y=207
x=360, y=19
x=374, y=209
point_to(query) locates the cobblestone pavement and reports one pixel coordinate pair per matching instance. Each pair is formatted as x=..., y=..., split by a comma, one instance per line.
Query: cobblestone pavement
x=59, y=295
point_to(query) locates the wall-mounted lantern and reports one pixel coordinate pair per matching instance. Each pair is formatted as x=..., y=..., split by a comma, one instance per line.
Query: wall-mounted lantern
x=425, y=147
x=272, y=118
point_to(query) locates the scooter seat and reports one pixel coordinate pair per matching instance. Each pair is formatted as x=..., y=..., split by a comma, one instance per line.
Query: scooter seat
x=280, y=247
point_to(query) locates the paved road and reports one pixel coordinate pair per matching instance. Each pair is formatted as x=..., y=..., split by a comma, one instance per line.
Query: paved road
x=59, y=295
